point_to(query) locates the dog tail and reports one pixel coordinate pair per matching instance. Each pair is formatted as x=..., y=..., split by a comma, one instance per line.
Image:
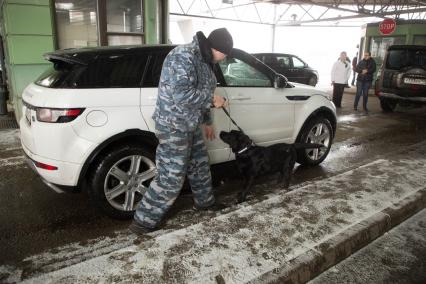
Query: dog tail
x=308, y=145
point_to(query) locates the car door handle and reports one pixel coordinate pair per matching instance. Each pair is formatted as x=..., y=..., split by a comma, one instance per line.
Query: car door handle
x=240, y=98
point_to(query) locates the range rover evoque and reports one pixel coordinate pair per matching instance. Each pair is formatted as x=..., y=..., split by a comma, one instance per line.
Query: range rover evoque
x=87, y=120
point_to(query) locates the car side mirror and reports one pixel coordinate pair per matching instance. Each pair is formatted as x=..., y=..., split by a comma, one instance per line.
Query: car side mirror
x=280, y=81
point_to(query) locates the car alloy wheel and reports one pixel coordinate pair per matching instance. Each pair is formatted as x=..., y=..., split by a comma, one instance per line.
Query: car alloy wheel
x=127, y=181
x=319, y=134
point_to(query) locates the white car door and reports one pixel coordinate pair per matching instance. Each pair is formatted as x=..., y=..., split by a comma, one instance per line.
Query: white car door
x=262, y=111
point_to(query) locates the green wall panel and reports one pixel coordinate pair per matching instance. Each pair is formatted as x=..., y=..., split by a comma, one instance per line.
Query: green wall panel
x=150, y=21
x=28, y=49
x=29, y=2
x=25, y=74
x=26, y=19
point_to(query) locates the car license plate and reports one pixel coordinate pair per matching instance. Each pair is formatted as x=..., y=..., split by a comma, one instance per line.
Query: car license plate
x=28, y=115
x=415, y=81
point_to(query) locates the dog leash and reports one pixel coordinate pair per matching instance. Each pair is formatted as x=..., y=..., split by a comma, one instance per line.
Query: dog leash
x=239, y=128
x=233, y=121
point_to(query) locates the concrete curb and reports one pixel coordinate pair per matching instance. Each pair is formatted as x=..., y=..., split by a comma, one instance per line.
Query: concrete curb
x=327, y=254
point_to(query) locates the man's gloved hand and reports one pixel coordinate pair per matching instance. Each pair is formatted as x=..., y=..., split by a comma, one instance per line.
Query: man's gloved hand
x=219, y=101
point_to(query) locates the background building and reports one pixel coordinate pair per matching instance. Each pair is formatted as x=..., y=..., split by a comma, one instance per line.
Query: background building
x=30, y=28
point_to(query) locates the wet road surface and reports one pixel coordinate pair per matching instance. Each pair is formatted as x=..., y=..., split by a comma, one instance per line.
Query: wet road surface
x=34, y=219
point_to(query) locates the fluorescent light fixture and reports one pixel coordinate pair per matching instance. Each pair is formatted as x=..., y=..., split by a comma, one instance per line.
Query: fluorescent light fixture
x=64, y=6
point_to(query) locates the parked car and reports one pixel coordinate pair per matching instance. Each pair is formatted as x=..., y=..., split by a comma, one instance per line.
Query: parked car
x=291, y=66
x=87, y=121
x=402, y=76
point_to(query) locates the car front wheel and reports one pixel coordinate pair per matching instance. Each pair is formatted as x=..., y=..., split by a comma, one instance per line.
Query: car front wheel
x=120, y=178
x=317, y=130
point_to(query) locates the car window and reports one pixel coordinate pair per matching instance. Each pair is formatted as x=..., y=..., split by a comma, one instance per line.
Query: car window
x=270, y=60
x=113, y=71
x=239, y=73
x=398, y=59
x=283, y=62
x=55, y=76
x=153, y=71
x=297, y=63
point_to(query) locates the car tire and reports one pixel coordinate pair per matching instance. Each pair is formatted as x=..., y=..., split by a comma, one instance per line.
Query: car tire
x=119, y=179
x=313, y=81
x=316, y=130
x=388, y=105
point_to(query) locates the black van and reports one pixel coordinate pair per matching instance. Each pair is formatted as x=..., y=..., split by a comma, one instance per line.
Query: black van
x=402, y=77
x=291, y=66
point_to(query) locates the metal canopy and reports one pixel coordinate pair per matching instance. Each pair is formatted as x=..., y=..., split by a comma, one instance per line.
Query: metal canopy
x=301, y=12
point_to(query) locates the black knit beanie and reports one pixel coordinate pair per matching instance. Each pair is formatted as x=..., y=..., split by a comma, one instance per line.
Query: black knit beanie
x=221, y=40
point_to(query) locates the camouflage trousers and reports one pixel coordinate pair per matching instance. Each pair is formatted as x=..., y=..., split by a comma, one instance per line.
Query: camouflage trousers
x=178, y=154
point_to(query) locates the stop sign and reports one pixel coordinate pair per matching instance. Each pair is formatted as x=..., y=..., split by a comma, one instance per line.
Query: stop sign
x=387, y=26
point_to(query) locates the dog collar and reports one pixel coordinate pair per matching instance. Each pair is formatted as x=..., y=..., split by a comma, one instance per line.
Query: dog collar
x=246, y=148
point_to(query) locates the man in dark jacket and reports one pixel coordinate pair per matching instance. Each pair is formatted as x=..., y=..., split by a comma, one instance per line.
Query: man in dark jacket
x=365, y=69
x=185, y=96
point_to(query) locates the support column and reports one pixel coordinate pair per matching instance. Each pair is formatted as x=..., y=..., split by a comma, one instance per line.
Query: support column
x=274, y=26
x=156, y=20
x=26, y=27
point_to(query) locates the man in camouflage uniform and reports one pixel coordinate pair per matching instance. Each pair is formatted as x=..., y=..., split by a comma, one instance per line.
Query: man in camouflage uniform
x=184, y=100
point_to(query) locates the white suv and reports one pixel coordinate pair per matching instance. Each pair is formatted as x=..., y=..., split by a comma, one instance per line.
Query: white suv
x=87, y=120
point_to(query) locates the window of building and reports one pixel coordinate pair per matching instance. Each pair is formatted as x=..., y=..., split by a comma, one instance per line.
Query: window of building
x=124, y=22
x=76, y=23
x=82, y=23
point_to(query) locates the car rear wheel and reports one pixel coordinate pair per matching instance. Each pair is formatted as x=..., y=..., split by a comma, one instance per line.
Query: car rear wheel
x=120, y=178
x=313, y=81
x=316, y=130
x=388, y=105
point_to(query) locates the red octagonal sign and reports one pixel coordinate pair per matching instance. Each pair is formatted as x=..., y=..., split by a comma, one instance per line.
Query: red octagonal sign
x=387, y=26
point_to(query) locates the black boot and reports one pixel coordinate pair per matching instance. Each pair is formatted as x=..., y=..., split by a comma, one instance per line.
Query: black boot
x=217, y=206
x=139, y=229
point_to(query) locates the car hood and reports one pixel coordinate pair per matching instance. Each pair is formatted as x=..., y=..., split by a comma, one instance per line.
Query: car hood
x=308, y=90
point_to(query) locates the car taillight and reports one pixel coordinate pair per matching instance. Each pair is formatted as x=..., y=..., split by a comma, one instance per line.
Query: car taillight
x=58, y=115
x=45, y=166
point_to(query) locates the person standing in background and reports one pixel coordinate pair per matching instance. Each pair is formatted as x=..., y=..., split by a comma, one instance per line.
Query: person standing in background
x=365, y=69
x=340, y=74
x=354, y=63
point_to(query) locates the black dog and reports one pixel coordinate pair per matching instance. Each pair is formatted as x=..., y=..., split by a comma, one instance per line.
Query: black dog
x=253, y=161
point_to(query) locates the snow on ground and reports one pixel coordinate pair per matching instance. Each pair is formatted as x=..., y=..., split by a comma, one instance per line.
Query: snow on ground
x=9, y=137
x=239, y=246
x=12, y=161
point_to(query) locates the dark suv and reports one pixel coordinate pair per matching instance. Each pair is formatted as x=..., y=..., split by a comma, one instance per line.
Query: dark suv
x=291, y=66
x=402, y=77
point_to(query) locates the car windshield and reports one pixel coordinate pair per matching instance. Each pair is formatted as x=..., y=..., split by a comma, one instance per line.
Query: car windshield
x=401, y=58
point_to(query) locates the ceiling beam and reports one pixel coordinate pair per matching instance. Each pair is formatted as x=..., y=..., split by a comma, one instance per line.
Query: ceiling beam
x=416, y=10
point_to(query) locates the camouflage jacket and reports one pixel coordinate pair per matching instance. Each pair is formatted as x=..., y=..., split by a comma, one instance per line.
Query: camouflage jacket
x=187, y=84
